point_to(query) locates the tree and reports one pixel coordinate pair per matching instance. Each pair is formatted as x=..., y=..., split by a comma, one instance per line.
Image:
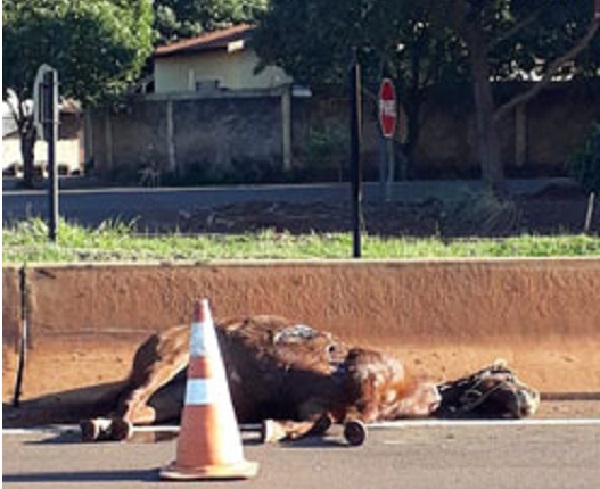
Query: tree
x=97, y=46
x=533, y=38
x=180, y=19
x=314, y=41
x=437, y=42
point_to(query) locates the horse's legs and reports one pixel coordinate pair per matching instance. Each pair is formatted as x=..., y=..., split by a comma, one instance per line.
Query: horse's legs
x=136, y=408
x=317, y=421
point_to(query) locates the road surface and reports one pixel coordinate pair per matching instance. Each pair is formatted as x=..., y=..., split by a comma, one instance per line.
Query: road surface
x=503, y=455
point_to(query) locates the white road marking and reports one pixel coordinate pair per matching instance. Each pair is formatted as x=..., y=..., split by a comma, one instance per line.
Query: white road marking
x=485, y=422
x=374, y=426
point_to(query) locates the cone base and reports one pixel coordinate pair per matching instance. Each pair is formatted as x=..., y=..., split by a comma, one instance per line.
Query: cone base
x=242, y=470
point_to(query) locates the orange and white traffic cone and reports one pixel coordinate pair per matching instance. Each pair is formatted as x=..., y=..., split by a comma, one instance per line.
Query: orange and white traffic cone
x=210, y=444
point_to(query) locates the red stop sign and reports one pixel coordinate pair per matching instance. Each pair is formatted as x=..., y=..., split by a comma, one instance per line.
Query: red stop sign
x=387, y=107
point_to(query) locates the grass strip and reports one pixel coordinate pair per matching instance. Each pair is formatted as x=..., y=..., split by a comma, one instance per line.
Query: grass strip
x=27, y=241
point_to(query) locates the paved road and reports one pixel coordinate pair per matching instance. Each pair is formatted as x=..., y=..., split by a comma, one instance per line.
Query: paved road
x=449, y=456
x=91, y=207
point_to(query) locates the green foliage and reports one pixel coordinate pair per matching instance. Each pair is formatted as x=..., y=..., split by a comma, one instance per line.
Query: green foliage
x=180, y=19
x=117, y=241
x=327, y=154
x=316, y=41
x=97, y=46
x=584, y=164
x=552, y=28
x=430, y=43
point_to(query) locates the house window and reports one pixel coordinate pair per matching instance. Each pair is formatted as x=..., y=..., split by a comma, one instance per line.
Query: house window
x=207, y=85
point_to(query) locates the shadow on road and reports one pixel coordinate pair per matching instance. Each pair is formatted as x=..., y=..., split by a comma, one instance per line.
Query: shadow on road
x=91, y=476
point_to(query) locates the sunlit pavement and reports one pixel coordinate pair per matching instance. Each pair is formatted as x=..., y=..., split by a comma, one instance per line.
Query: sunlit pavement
x=537, y=453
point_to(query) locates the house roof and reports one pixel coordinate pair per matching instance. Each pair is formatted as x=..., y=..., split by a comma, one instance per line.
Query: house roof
x=210, y=41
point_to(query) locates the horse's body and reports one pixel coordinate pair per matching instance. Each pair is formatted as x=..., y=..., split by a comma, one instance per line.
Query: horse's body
x=276, y=369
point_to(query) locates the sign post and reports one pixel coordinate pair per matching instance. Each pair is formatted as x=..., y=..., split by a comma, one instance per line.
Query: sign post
x=355, y=133
x=46, y=121
x=387, y=122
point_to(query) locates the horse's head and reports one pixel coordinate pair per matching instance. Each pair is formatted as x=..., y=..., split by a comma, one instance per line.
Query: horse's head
x=494, y=391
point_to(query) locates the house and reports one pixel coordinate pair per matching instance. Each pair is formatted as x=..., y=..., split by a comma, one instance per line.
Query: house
x=205, y=112
x=222, y=60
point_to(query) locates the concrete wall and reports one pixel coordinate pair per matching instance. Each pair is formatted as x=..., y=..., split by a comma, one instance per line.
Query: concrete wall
x=230, y=136
x=244, y=131
x=551, y=127
x=443, y=318
x=200, y=138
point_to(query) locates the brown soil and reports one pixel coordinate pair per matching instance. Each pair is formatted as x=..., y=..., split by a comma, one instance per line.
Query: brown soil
x=546, y=214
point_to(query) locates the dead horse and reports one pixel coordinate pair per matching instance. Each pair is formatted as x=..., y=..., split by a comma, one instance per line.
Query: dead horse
x=277, y=369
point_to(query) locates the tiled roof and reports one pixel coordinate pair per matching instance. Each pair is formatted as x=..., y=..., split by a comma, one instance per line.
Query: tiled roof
x=206, y=42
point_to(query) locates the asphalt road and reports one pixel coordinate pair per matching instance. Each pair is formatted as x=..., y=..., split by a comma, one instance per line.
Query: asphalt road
x=503, y=455
x=92, y=206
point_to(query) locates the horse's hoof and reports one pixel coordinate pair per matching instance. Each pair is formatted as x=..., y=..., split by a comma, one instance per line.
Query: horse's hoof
x=121, y=429
x=355, y=433
x=89, y=430
x=322, y=425
x=95, y=429
x=271, y=431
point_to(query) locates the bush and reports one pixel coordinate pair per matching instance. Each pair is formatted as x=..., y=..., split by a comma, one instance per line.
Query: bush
x=326, y=155
x=584, y=164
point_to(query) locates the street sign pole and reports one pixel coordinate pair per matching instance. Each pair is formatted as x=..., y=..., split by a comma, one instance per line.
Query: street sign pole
x=50, y=121
x=391, y=164
x=355, y=130
x=387, y=122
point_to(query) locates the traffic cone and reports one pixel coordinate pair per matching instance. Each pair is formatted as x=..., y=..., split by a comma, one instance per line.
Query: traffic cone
x=209, y=444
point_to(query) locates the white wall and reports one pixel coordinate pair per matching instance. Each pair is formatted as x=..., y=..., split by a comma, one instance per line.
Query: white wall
x=68, y=152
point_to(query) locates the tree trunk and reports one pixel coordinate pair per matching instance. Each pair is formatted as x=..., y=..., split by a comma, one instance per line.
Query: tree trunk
x=488, y=140
x=27, y=135
x=413, y=132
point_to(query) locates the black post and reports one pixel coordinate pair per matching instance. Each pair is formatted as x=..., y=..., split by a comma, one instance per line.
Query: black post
x=355, y=129
x=50, y=120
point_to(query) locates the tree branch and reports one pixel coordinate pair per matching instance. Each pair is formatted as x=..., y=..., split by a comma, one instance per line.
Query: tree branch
x=550, y=72
x=517, y=27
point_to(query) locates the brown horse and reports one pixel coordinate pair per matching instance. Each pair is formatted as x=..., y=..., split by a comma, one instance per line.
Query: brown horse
x=276, y=369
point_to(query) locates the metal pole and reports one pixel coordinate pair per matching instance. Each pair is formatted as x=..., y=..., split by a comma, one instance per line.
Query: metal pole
x=355, y=129
x=382, y=158
x=51, y=136
x=391, y=164
x=23, y=345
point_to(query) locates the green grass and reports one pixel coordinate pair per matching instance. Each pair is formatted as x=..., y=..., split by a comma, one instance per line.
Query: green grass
x=114, y=241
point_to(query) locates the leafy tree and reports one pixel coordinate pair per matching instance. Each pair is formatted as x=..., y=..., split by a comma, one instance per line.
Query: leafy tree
x=512, y=38
x=97, y=46
x=436, y=42
x=315, y=41
x=177, y=19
